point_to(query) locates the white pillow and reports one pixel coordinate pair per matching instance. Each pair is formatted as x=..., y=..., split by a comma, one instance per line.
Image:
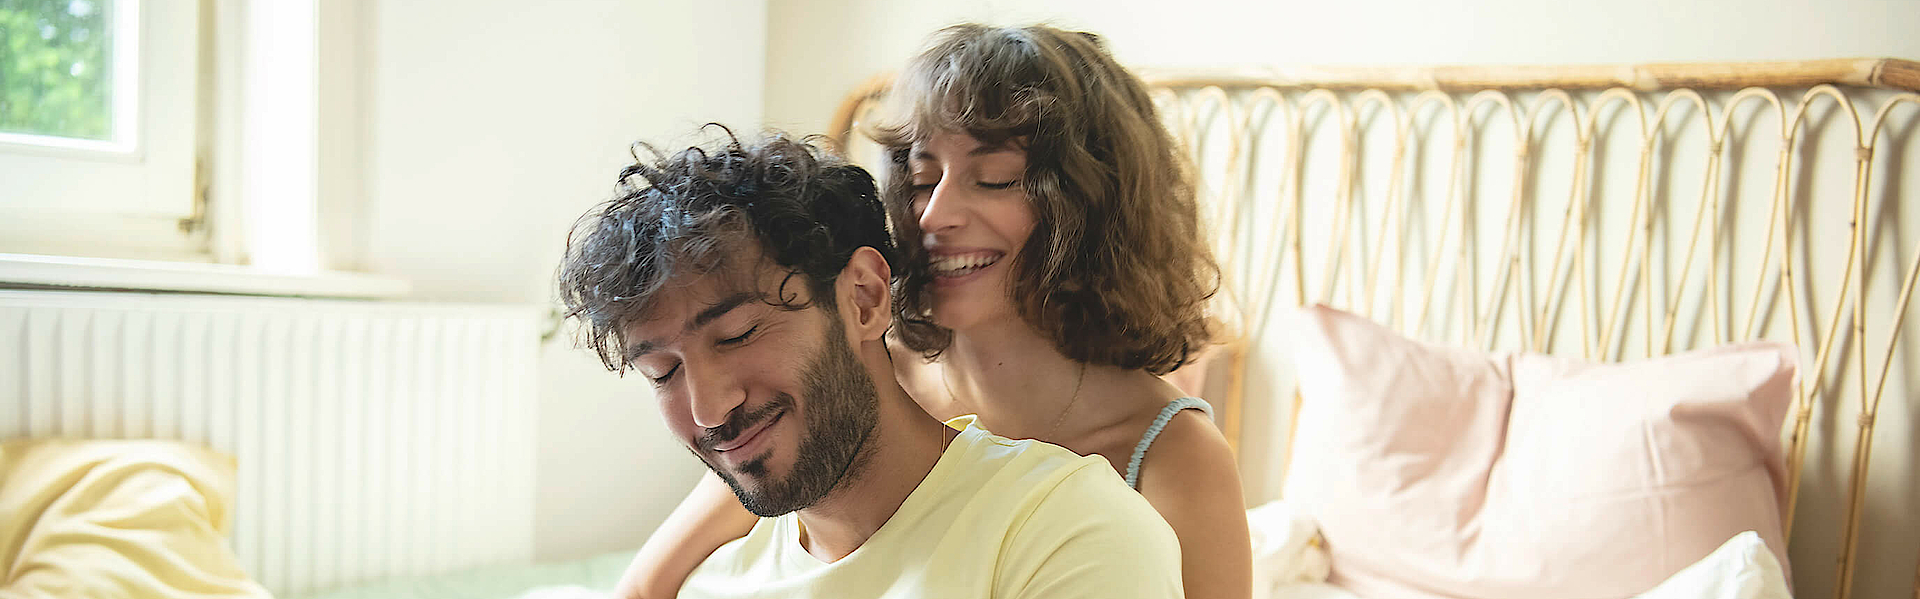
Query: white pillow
x=1742, y=568
x=1287, y=549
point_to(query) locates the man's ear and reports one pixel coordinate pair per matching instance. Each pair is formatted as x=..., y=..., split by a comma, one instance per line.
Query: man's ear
x=865, y=295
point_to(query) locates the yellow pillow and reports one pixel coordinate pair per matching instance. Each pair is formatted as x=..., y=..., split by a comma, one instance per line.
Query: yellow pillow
x=107, y=519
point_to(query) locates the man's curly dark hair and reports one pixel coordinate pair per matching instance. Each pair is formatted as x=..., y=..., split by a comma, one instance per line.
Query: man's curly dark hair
x=684, y=214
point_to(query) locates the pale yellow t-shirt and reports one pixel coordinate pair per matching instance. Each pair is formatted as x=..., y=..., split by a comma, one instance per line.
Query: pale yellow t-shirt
x=994, y=518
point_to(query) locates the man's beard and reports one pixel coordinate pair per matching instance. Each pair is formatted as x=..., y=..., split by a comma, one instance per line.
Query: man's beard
x=841, y=410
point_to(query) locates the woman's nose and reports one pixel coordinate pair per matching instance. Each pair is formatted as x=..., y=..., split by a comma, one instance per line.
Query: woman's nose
x=944, y=208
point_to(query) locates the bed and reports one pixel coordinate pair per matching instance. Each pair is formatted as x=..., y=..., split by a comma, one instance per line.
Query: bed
x=1623, y=223
x=1601, y=213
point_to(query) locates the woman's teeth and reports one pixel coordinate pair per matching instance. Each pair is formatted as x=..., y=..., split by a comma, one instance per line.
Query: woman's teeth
x=958, y=265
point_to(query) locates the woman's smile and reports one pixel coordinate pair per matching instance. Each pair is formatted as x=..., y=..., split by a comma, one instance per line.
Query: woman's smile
x=951, y=268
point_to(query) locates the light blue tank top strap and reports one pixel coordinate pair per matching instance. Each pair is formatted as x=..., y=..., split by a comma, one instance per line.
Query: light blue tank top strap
x=1153, y=432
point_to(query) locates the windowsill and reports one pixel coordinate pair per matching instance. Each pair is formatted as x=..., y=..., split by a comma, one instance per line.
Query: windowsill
x=24, y=270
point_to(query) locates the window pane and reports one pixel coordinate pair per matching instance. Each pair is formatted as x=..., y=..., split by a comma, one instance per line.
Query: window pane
x=56, y=73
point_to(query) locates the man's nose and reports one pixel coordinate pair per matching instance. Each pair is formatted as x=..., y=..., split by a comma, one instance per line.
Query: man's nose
x=714, y=393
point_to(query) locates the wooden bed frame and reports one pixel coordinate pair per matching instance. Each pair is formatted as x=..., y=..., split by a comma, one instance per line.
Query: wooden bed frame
x=1732, y=229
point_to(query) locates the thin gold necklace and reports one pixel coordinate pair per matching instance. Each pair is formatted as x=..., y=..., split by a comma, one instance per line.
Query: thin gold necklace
x=1077, y=381
x=1057, y=420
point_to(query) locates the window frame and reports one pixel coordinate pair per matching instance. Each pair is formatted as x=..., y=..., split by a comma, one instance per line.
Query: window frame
x=256, y=171
x=128, y=30
x=136, y=195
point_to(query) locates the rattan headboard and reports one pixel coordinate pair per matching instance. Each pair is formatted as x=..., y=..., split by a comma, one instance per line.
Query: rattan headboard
x=1654, y=208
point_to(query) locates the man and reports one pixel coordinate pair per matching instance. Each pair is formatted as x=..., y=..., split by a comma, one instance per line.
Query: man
x=750, y=283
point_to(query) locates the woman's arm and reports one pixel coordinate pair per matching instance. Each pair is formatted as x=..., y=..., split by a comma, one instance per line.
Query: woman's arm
x=709, y=517
x=1190, y=478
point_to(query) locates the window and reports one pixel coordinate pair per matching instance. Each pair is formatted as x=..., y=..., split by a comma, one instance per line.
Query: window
x=68, y=74
x=196, y=141
x=99, y=127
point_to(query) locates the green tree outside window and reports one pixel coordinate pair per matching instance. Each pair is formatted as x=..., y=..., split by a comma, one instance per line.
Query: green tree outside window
x=56, y=76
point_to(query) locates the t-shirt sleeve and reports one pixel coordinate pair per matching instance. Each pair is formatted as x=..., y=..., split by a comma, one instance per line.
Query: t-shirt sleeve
x=1090, y=537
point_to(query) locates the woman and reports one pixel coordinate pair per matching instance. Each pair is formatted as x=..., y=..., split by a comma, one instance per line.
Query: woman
x=1053, y=269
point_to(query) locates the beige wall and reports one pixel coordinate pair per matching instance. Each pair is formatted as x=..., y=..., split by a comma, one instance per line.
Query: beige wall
x=823, y=48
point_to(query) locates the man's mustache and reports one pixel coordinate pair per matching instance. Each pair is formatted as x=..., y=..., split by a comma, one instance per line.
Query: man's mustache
x=739, y=422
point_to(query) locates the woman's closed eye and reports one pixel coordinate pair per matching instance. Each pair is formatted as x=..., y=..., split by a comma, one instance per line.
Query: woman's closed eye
x=925, y=188
x=998, y=186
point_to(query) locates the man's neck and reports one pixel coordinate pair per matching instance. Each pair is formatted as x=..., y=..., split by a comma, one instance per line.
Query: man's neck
x=904, y=446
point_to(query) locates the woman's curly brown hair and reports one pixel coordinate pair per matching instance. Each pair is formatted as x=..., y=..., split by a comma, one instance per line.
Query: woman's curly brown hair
x=1115, y=272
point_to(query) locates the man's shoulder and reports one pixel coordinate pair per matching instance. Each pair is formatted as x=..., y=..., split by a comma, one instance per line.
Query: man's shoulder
x=1072, y=526
x=996, y=463
x=1027, y=476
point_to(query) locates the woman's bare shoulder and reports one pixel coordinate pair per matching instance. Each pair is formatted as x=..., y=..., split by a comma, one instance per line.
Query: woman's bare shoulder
x=1190, y=477
x=1190, y=452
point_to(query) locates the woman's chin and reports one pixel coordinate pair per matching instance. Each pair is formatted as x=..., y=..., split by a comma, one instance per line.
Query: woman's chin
x=962, y=316
x=953, y=314
x=971, y=302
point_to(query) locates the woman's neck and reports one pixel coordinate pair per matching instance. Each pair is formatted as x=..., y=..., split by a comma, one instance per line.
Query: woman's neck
x=1021, y=386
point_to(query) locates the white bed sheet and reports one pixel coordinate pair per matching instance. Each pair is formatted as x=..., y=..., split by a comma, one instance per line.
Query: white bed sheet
x=1742, y=568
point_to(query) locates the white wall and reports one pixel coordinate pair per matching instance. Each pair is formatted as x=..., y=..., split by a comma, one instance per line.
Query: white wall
x=806, y=78
x=486, y=128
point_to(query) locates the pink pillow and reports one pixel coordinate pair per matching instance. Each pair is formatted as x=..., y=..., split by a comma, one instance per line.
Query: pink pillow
x=1443, y=472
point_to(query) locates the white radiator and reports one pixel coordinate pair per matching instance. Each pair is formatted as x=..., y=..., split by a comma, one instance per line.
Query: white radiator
x=373, y=439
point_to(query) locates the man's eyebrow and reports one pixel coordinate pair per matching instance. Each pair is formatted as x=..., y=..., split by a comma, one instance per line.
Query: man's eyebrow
x=636, y=350
x=710, y=314
x=719, y=309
